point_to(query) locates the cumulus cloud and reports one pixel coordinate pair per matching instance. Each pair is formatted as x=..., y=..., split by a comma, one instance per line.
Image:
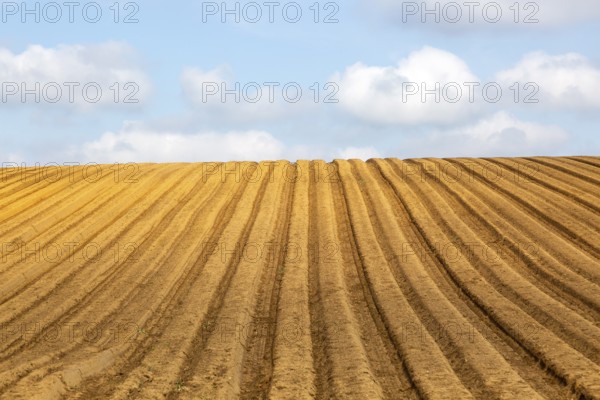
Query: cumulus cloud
x=399, y=94
x=135, y=145
x=136, y=141
x=433, y=87
x=500, y=134
x=81, y=76
x=435, y=14
x=216, y=95
x=567, y=81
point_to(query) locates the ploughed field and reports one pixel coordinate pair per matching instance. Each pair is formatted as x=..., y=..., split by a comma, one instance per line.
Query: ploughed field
x=424, y=278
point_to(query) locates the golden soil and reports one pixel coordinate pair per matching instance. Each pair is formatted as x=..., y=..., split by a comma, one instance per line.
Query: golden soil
x=425, y=278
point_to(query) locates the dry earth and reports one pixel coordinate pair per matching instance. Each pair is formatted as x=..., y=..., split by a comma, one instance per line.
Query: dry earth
x=424, y=278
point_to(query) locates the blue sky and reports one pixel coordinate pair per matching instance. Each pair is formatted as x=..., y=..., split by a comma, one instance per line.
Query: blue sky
x=374, y=64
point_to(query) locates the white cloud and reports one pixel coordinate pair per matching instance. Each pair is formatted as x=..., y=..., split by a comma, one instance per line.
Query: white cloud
x=567, y=81
x=136, y=141
x=488, y=14
x=500, y=124
x=134, y=145
x=361, y=153
x=71, y=75
x=500, y=134
x=216, y=95
x=398, y=94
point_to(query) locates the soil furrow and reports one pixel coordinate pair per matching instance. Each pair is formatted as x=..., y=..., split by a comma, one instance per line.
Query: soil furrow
x=293, y=375
x=64, y=313
x=387, y=279
x=159, y=307
x=342, y=328
x=320, y=353
x=581, y=235
x=548, y=385
x=384, y=359
x=565, y=323
x=66, y=202
x=581, y=200
x=113, y=306
x=510, y=237
x=564, y=167
x=574, y=368
x=257, y=365
x=422, y=356
x=438, y=315
x=40, y=260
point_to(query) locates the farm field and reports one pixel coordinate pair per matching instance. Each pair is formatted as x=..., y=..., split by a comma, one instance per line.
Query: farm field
x=386, y=279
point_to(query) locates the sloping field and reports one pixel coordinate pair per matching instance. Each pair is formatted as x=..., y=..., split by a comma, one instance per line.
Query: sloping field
x=429, y=278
